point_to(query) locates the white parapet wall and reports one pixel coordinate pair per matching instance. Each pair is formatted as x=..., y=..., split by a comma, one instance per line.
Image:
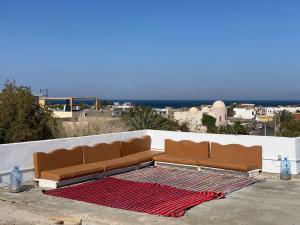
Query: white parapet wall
x=297, y=149
x=272, y=147
x=21, y=153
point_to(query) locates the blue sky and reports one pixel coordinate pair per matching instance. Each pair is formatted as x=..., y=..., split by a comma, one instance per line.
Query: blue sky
x=153, y=49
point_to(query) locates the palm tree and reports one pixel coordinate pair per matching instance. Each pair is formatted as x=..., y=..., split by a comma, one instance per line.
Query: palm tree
x=283, y=118
x=209, y=122
x=140, y=118
x=239, y=128
x=236, y=128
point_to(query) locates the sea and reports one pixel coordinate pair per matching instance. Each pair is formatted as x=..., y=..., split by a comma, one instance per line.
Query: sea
x=188, y=103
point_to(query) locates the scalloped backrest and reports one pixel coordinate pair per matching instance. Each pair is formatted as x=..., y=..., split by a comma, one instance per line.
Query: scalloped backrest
x=187, y=149
x=101, y=152
x=58, y=158
x=237, y=153
x=135, y=145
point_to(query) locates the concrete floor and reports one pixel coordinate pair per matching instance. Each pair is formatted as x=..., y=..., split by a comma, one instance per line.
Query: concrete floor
x=274, y=202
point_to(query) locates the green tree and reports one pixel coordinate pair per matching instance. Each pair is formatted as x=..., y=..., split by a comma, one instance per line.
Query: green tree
x=140, y=118
x=230, y=111
x=282, y=118
x=236, y=128
x=209, y=122
x=291, y=129
x=286, y=125
x=184, y=127
x=21, y=117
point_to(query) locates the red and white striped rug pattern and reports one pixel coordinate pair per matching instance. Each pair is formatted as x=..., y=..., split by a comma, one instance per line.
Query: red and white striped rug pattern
x=186, y=179
x=149, y=198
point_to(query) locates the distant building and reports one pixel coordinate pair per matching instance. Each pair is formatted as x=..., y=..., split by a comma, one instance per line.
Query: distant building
x=170, y=111
x=70, y=109
x=118, y=109
x=273, y=110
x=264, y=118
x=124, y=106
x=160, y=111
x=194, y=115
x=219, y=111
x=117, y=112
x=245, y=111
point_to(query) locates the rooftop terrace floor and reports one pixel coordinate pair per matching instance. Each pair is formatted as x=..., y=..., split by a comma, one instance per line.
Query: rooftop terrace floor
x=272, y=202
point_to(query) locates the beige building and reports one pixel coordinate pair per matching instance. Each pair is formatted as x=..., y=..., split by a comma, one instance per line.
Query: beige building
x=194, y=116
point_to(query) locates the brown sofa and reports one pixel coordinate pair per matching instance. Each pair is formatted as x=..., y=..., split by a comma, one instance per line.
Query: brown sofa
x=65, y=164
x=233, y=157
x=59, y=162
x=184, y=152
x=229, y=157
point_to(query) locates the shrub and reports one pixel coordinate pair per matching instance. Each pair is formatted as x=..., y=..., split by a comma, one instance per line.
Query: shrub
x=21, y=117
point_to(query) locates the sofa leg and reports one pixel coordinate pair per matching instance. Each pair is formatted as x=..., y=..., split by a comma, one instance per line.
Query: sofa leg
x=254, y=173
x=43, y=183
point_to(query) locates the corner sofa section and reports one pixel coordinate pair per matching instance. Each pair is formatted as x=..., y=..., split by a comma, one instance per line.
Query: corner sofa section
x=63, y=167
x=214, y=156
x=184, y=152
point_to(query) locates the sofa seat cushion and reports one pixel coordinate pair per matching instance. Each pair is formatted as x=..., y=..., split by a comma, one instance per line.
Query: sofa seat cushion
x=145, y=156
x=175, y=159
x=227, y=164
x=117, y=163
x=71, y=172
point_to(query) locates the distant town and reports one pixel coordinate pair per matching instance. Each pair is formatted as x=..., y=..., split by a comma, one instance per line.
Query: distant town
x=256, y=119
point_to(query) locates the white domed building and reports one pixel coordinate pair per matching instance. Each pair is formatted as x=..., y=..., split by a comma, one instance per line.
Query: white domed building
x=193, y=110
x=219, y=111
x=194, y=116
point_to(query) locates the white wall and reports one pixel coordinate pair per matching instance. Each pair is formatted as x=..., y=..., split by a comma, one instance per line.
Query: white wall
x=297, y=144
x=271, y=146
x=21, y=153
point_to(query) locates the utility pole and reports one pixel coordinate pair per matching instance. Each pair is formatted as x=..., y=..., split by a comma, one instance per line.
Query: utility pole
x=275, y=126
x=265, y=129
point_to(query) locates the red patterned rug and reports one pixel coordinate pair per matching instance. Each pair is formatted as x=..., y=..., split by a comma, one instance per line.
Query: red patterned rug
x=149, y=198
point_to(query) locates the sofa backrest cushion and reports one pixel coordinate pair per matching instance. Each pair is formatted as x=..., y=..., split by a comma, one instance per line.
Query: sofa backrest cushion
x=58, y=158
x=187, y=149
x=237, y=153
x=135, y=145
x=101, y=152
